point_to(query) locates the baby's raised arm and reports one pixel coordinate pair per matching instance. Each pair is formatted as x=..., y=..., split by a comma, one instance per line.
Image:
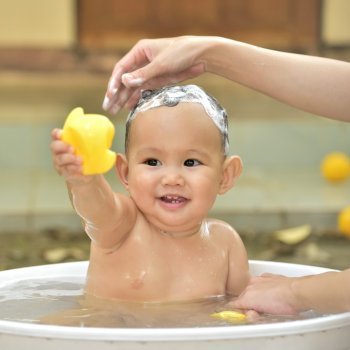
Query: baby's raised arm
x=107, y=216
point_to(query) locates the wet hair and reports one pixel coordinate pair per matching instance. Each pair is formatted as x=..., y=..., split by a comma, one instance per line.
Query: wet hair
x=171, y=96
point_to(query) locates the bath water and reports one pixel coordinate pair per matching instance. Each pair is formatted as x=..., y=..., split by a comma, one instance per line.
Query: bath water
x=61, y=301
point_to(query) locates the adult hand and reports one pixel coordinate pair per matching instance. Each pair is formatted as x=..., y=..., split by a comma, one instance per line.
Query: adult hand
x=151, y=64
x=301, y=81
x=268, y=293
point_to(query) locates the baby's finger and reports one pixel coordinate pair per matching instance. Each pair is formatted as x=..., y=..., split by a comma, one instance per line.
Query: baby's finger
x=58, y=147
x=65, y=159
x=56, y=134
x=71, y=170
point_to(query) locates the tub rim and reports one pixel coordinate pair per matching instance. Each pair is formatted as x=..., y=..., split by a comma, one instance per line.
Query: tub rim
x=76, y=269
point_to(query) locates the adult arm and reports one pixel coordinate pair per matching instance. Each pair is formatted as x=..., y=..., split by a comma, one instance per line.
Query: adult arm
x=314, y=84
x=327, y=292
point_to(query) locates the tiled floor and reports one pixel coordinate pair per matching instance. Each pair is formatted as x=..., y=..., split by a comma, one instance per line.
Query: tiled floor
x=281, y=148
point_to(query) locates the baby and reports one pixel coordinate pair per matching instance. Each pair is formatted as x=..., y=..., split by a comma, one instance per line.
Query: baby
x=156, y=244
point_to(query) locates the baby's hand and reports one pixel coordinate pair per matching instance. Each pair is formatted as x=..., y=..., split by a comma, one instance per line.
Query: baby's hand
x=65, y=161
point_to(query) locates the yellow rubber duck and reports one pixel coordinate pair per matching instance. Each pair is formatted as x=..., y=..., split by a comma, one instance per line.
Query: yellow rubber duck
x=230, y=316
x=91, y=135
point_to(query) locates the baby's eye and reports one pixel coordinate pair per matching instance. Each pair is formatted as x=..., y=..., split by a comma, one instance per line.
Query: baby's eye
x=152, y=162
x=192, y=162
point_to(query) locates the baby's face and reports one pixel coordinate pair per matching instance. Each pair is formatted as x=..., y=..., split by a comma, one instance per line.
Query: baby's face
x=175, y=161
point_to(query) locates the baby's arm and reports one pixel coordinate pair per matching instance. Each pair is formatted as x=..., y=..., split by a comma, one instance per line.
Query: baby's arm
x=107, y=216
x=238, y=274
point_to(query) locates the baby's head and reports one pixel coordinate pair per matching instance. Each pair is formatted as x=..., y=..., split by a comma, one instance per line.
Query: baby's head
x=171, y=96
x=176, y=160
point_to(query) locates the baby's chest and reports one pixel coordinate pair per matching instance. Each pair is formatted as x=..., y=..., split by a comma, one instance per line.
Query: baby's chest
x=162, y=273
x=172, y=263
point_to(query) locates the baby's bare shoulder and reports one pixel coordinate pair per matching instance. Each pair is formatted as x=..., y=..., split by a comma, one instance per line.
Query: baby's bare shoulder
x=222, y=229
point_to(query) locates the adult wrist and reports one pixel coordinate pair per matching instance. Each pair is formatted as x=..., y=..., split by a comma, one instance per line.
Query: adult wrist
x=298, y=294
x=212, y=53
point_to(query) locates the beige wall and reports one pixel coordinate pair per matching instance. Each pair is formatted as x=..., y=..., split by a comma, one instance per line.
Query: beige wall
x=336, y=23
x=52, y=23
x=37, y=23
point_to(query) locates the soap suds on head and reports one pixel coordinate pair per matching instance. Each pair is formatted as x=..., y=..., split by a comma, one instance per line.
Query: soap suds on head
x=173, y=95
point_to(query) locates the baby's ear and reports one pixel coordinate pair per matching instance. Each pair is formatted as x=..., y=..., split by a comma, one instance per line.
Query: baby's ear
x=122, y=169
x=231, y=171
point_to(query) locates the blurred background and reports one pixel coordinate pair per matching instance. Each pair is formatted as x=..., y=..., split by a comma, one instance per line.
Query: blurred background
x=56, y=55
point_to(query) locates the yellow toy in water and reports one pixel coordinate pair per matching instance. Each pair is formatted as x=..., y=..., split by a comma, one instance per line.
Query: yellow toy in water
x=91, y=135
x=344, y=221
x=335, y=167
x=230, y=316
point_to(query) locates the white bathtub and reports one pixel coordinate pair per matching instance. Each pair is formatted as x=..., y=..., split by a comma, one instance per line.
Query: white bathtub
x=330, y=332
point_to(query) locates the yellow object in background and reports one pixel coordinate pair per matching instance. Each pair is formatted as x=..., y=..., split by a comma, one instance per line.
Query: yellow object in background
x=344, y=221
x=91, y=135
x=230, y=316
x=335, y=167
x=292, y=236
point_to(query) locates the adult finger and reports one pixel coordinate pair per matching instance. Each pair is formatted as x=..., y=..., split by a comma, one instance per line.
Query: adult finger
x=129, y=96
x=268, y=274
x=133, y=99
x=135, y=58
x=153, y=70
x=163, y=80
x=119, y=100
x=113, y=87
x=157, y=75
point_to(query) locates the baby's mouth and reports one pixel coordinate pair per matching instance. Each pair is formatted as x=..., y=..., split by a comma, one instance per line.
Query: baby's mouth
x=173, y=199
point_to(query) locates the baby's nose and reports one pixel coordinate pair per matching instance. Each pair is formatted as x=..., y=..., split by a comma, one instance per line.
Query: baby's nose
x=173, y=178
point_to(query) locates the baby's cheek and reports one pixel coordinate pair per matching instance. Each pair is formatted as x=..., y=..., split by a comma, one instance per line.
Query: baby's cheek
x=141, y=192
